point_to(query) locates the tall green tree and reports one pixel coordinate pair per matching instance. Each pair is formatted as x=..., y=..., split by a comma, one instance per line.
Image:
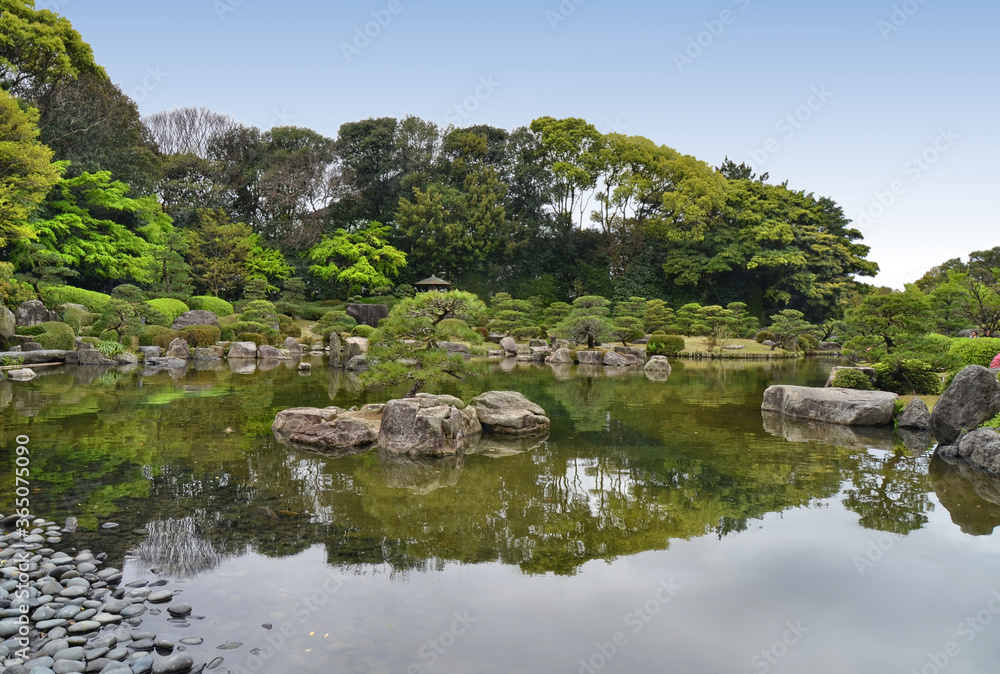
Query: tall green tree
x=359, y=261
x=26, y=170
x=887, y=319
x=570, y=152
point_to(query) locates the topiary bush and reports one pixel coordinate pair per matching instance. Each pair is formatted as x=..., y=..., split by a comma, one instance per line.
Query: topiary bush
x=456, y=330
x=906, y=376
x=52, y=335
x=163, y=339
x=764, y=336
x=216, y=305
x=200, y=335
x=150, y=332
x=808, y=342
x=109, y=336
x=855, y=379
x=169, y=308
x=78, y=318
x=979, y=351
x=662, y=344
x=269, y=333
x=362, y=331
x=528, y=332
x=254, y=337
x=56, y=295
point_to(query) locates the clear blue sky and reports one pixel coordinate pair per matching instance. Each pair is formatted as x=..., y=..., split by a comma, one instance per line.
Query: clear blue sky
x=893, y=78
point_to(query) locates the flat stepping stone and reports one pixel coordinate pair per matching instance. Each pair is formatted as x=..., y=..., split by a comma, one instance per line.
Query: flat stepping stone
x=107, y=618
x=179, y=610
x=83, y=627
x=160, y=597
x=193, y=641
x=229, y=646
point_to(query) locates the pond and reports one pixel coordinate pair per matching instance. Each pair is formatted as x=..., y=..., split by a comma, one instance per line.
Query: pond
x=662, y=527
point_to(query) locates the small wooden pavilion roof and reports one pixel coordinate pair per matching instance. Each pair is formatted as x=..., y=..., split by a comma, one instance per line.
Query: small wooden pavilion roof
x=432, y=281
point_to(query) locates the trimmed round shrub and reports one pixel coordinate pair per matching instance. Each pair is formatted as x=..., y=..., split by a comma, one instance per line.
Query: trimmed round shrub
x=338, y=319
x=456, y=330
x=52, y=335
x=110, y=336
x=254, y=327
x=979, y=351
x=528, y=332
x=169, y=307
x=855, y=379
x=200, y=335
x=150, y=332
x=662, y=344
x=163, y=340
x=907, y=376
x=292, y=331
x=254, y=337
x=764, y=336
x=808, y=342
x=362, y=331
x=216, y=305
x=78, y=318
x=56, y=295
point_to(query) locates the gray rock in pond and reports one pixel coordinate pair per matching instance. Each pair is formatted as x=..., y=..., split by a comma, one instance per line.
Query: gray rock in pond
x=167, y=362
x=832, y=405
x=149, y=351
x=292, y=345
x=590, y=357
x=33, y=312
x=659, y=365
x=205, y=354
x=509, y=413
x=305, y=368
x=32, y=346
x=179, y=610
x=357, y=364
x=93, y=357
x=126, y=358
x=336, y=351
x=972, y=398
x=330, y=429
x=179, y=349
x=411, y=429
x=199, y=317
x=267, y=352
x=368, y=314
x=640, y=355
x=915, y=416
x=560, y=357
x=508, y=344
x=614, y=359
x=23, y=374
x=242, y=350
x=980, y=448
x=173, y=664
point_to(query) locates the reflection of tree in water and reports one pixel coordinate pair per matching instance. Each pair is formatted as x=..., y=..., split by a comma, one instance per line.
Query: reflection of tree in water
x=176, y=548
x=889, y=491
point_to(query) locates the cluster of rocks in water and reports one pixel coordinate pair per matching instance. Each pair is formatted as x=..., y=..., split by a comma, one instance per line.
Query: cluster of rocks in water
x=61, y=612
x=425, y=425
x=560, y=352
x=972, y=399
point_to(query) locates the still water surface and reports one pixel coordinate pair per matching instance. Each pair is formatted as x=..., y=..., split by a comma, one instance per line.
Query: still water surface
x=662, y=527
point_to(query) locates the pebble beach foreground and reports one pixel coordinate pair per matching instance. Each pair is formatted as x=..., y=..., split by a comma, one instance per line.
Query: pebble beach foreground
x=63, y=612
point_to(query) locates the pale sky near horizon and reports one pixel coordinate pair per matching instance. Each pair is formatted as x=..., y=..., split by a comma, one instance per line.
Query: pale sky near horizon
x=888, y=107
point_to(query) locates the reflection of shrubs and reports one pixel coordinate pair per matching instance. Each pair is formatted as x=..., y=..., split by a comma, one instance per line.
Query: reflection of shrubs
x=456, y=330
x=662, y=344
x=855, y=379
x=906, y=376
x=200, y=335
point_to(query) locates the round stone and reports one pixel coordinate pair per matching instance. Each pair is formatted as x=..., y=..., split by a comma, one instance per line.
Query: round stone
x=83, y=627
x=160, y=597
x=173, y=664
x=178, y=610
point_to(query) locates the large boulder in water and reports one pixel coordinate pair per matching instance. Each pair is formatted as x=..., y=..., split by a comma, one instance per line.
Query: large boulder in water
x=422, y=426
x=509, y=345
x=979, y=448
x=328, y=430
x=198, y=317
x=8, y=323
x=178, y=349
x=972, y=398
x=509, y=413
x=560, y=357
x=832, y=405
x=293, y=346
x=368, y=314
x=33, y=312
x=355, y=346
x=242, y=350
x=915, y=416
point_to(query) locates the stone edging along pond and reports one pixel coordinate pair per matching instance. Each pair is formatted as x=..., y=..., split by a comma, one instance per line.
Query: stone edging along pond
x=61, y=612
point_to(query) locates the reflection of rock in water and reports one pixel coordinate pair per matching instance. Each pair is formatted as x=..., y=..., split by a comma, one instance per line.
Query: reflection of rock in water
x=175, y=548
x=657, y=375
x=561, y=371
x=492, y=446
x=799, y=430
x=971, y=496
x=917, y=442
x=6, y=393
x=242, y=365
x=421, y=476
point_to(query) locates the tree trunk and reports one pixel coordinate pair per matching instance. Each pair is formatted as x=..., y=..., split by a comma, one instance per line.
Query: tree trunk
x=415, y=389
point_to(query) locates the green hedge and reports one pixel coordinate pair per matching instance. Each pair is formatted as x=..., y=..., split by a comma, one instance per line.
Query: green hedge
x=362, y=331
x=979, y=351
x=254, y=337
x=855, y=379
x=216, y=305
x=662, y=344
x=149, y=334
x=56, y=295
x=200, y=335
x=169, y=307
x=52, y=335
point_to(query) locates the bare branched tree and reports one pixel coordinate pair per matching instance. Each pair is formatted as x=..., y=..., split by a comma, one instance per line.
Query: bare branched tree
x=187, y=130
